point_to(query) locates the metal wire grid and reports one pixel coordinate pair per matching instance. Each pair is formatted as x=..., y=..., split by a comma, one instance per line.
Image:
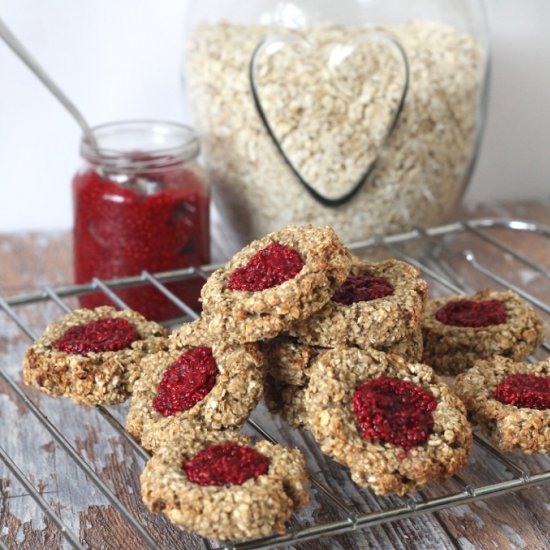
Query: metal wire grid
x=431, y=267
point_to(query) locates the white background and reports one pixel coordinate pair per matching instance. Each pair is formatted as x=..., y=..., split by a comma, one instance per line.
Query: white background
x=120, y=59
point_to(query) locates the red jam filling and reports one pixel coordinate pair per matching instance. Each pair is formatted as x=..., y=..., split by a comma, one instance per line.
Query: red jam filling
x=467, y=313
x=394, y=411
x=186, y=382
x=107, y=334
x=269, y=267
x=525, y=391
x=123, y=229
x=362, y=288
x=224, y=465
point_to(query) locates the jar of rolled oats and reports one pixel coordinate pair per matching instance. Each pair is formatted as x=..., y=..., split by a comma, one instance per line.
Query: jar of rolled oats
x=363, y=115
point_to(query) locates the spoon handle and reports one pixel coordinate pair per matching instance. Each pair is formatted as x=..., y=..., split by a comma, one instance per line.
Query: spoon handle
x=12, y=41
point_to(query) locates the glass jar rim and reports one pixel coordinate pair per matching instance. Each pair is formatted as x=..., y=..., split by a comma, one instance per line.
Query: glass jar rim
x=150, y=144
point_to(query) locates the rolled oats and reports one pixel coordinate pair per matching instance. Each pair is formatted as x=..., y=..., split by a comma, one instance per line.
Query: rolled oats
x=332, y=125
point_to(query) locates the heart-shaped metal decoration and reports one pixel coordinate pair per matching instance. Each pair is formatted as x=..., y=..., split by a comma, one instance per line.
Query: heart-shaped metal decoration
x=329, y=107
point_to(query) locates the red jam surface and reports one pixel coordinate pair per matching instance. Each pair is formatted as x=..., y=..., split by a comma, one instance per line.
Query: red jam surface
x=270, y=267
x=107, y=334
x=525, y=391
x=224, y=465
x=157, y=222
x=186, y=382
x=467, y=313
x=362, y=288
x=394, y=411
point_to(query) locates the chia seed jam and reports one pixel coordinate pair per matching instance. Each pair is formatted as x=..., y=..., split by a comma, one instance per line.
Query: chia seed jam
x=141, y=203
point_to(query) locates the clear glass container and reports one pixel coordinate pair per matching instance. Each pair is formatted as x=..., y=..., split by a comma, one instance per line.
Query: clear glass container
x=362, y=114
x=141, y=202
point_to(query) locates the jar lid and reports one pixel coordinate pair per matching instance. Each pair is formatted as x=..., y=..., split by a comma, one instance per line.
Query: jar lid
x=138, y=145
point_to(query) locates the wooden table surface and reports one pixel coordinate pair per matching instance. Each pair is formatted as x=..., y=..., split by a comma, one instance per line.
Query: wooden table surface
x=519, y=520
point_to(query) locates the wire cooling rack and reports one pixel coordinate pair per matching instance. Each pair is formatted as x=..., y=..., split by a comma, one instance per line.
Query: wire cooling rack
x=455, y=258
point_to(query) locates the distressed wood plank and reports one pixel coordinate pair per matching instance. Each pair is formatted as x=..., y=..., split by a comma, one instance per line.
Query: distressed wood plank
x=28, y=260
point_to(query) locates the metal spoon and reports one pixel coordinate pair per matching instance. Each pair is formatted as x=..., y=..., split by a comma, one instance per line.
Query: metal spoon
x=12, y=41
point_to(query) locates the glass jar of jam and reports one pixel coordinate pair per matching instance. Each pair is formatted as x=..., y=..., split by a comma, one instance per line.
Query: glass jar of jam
x=141, y=202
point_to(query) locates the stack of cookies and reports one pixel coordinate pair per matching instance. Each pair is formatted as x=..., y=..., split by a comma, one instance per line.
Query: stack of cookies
x=378, y=307
x=336, y=345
